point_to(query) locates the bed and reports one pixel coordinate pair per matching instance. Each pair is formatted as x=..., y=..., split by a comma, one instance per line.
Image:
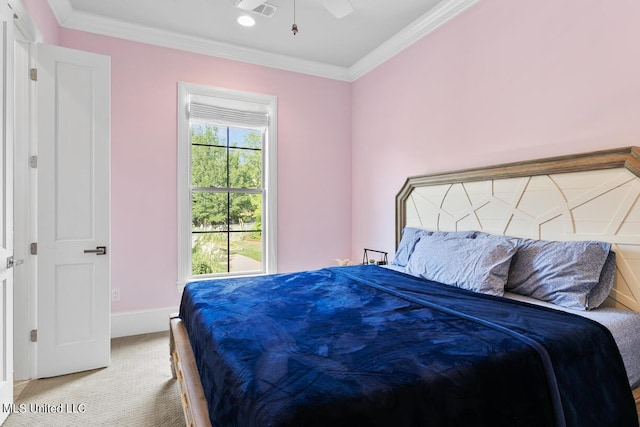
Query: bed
x=393, y=346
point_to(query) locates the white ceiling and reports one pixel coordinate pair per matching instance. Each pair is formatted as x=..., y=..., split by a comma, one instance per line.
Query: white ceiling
x=343, y=49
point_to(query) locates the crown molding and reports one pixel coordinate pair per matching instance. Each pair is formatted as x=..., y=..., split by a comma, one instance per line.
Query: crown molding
x=82, y=21
x=76, y=20
x=439, y=15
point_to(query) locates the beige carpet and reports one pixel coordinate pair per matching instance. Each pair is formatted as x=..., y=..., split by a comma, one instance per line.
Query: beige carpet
x=135, y=390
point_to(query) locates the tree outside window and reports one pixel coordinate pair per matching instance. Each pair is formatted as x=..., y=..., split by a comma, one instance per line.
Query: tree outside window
x=226, y=199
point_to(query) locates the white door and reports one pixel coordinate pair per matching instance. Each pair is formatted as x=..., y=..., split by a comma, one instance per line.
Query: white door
x=6, y=207
x=73, y=251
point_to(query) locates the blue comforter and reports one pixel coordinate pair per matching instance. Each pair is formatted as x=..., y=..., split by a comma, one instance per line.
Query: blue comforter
x=364, y=345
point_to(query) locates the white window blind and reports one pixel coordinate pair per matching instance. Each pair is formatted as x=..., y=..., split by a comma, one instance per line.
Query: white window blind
x=235, y=113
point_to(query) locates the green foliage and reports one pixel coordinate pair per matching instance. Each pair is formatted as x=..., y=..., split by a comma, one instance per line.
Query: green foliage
x=218, y=163
x=200, y=263
x=209, y=254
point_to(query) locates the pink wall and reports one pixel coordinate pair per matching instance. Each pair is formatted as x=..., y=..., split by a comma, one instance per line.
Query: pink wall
x=504, y=81
x=314, y=161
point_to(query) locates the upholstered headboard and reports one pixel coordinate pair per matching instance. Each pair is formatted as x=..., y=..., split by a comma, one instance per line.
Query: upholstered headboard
x=591, y=196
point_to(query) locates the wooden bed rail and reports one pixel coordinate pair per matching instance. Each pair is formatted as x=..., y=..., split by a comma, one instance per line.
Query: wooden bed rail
x=184, y=369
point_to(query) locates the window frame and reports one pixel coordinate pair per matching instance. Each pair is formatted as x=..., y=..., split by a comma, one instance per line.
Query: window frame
x=269, y=229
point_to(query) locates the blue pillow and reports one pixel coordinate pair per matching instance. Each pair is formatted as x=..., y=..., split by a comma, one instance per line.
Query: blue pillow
x=454, y=234
x=476, y=265
x=600, y=292
x=563, y=273
x=411, y=235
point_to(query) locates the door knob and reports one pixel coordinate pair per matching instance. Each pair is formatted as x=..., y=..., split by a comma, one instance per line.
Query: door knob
x=12, y=262
x=99, y=250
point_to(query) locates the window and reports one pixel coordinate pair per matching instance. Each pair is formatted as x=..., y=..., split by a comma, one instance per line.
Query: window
x=226, y=183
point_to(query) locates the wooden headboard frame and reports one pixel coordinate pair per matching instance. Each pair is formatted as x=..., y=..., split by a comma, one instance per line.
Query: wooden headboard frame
x=590, y=196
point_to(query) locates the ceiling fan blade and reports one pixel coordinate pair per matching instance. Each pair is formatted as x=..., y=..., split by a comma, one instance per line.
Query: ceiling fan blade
x=249, y=4
x=338, y=8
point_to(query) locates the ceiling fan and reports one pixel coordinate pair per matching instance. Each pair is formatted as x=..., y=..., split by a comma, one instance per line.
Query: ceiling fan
x=338, y=8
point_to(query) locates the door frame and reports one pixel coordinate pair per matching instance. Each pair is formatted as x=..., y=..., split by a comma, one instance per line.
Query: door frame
x=25, y=213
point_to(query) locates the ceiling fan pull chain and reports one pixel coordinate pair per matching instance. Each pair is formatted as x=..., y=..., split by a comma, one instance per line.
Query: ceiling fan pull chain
x=294, y=27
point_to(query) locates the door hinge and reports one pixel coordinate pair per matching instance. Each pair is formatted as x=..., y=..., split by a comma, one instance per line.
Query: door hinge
x=33, y=74
x=33, y=162
x=33, y=249
x=34, y=335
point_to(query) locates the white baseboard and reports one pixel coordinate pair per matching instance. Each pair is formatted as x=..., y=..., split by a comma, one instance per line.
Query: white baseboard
x=140, y=322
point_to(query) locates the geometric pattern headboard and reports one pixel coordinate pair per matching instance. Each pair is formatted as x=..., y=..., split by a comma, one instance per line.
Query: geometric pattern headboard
x=591, y=196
